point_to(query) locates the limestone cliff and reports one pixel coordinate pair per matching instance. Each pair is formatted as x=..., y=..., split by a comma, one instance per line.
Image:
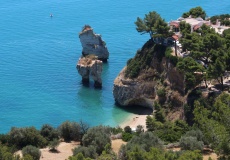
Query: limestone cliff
x=153, y=71
x=93, y=44
x=89, y=67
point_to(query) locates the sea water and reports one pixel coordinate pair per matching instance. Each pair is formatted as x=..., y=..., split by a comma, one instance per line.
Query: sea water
x=39, y=82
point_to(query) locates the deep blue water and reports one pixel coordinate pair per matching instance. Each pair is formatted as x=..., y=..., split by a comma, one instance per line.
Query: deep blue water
x=38, y=54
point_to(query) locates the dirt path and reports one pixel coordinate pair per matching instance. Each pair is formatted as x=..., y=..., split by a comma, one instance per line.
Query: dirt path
x=64, y=151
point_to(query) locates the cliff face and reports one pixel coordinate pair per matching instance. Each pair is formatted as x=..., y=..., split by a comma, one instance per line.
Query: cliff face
x=93, y=44
x=133, y=92
x=142, y=90
x=88, y=67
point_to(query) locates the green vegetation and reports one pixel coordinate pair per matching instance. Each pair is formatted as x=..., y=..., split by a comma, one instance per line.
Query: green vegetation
x=206, y=118
x=209, y=55
x=34, y=152
x=21, y=137
x=49, y=132
x=195, y=12
x=223, y=18
x=143, y=58
x=69, y=131
x=54, y=144
x=98, y=137
x=153, y=24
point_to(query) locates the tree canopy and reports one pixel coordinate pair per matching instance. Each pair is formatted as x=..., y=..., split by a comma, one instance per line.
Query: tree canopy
x=153, y=24
x=195, y=12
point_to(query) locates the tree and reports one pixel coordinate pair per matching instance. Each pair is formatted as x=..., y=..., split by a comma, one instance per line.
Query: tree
x=195, y=12
x=70, y=131
x=127, y=129
x=152, y=24
x=22, y=137
x=54, y=144
x=88, y=152
x=189, y=66
x=7, y=154
x=210, y=49
x=191, y=143
x=49, y=132
x=145, y=140
x=32, y=151
x=191, y=155
x=98, y=137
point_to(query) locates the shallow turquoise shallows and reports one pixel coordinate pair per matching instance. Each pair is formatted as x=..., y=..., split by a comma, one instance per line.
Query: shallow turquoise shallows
x=39, y=82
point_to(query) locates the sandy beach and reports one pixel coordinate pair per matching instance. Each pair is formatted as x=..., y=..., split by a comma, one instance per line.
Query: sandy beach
x=136, y=119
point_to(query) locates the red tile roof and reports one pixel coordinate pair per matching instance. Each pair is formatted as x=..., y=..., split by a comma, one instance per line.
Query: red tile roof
x=176, y=24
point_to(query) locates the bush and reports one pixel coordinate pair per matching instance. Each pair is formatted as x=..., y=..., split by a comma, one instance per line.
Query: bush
x=191, y=143
x=191, y=155
x=127, y=129
x=4, y=138
x=161, y=92
x=22, y=137
x=70, y=131
x=145, y=140
x=7, y=153
x=49, y=132
x=98, y=137
x=139, y=129
x=196, y=133
x=54, y=144
x=116, y=130
x=32, y=151
x=126, y=136
x=87, y=152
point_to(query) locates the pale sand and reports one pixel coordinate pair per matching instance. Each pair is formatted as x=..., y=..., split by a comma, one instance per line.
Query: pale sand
x=116, y=144
x=137, y=119
x=64, y=151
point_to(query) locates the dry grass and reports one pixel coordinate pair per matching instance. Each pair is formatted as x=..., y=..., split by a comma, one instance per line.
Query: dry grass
x=116, y=144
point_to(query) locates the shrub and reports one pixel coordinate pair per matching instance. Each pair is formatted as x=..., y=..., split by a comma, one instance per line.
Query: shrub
x=145, y=140
x=54, y=144
x=49, y=132
x=191, y=143
x=22, y=137
x=70, y=131
x=4, y=138
x=127, y=129
x=32, y=151
x=168, y=54
x=116, y=130
x=161, y=92
x=139, y=129
x=160, y=116
x=98, y=137
x=196, y=133
x=87, y=152
x=191, y=155
x=126, y=136
x=27, y=157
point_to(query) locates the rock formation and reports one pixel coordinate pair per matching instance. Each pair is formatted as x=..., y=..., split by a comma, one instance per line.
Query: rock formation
x=90, y=67
x=142, y=90
x=93, y=44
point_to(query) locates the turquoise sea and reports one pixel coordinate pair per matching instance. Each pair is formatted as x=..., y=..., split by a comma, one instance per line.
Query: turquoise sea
x=38, y=80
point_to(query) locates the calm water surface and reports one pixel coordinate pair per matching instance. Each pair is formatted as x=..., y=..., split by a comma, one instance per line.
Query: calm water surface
x=38, y=54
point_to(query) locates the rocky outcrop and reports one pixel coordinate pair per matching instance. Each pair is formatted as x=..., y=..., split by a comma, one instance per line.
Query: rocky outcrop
x=93, y=44
x=142, y=90
x=88, y=67
x=129, y=92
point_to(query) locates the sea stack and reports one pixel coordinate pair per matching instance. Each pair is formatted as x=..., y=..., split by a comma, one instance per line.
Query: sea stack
x=93, y=44
x=90, y=67
x=94, y=53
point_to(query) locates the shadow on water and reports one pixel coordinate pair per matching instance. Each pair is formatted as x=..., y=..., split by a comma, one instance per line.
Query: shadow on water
x=140, y=110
